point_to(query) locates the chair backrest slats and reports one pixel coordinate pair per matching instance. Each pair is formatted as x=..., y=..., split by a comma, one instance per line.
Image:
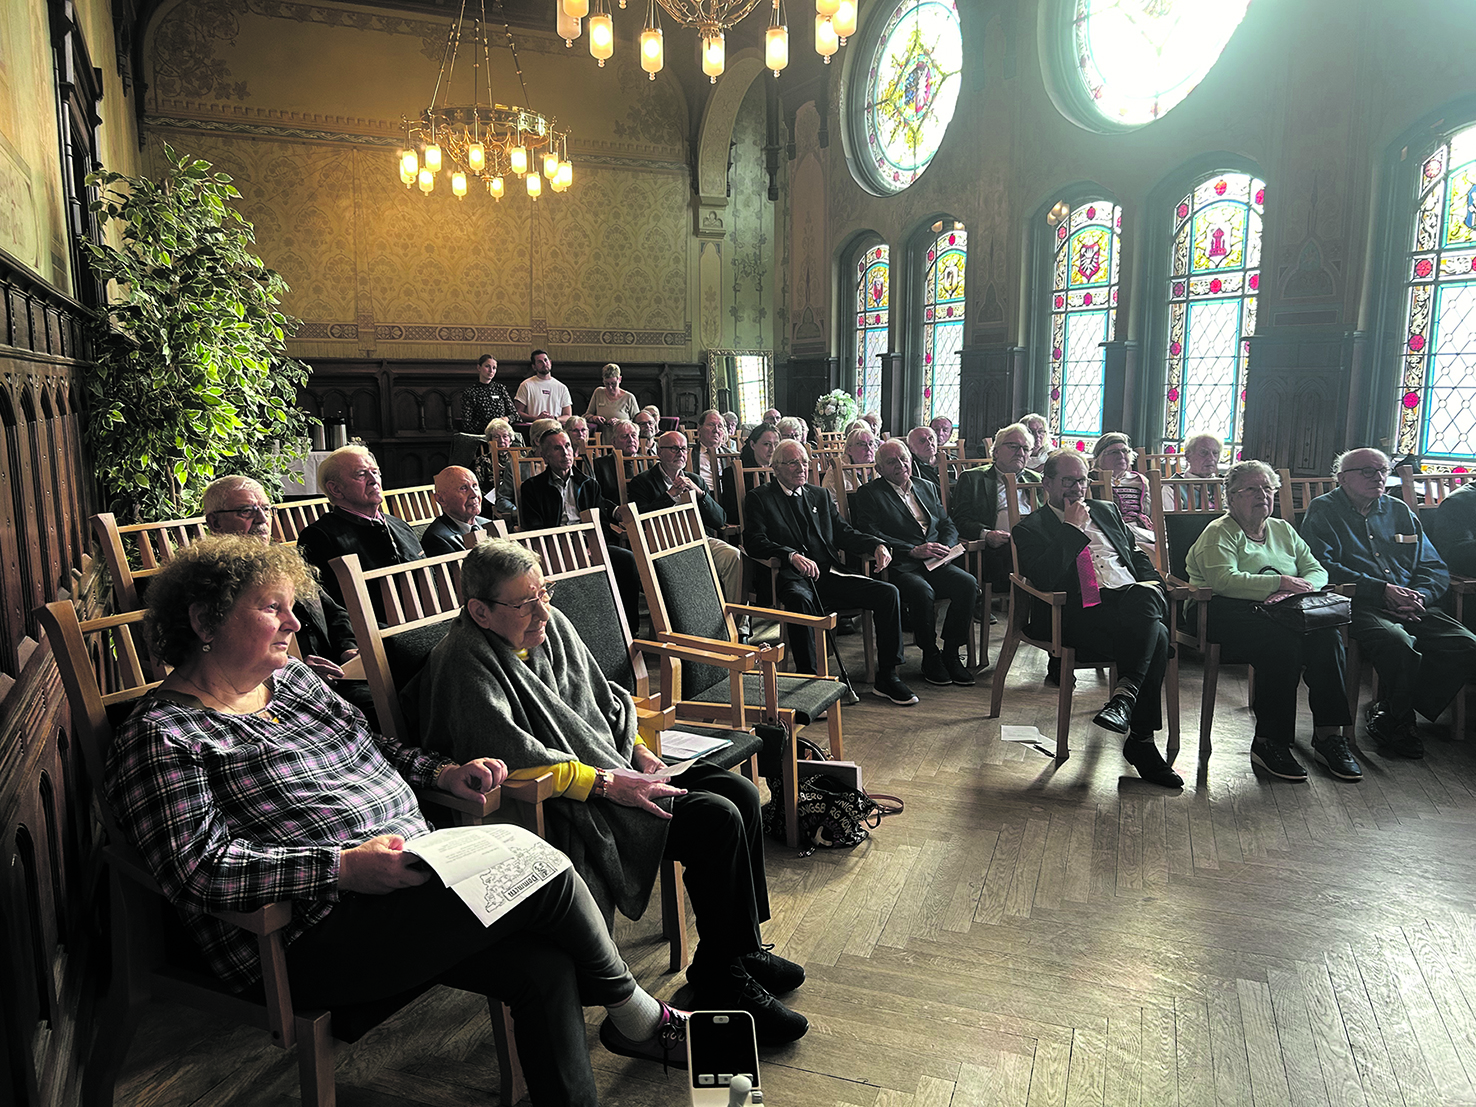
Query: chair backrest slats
x=745, y=480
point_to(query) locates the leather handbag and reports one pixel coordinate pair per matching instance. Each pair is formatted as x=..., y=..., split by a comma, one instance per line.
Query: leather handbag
x=1304, y=612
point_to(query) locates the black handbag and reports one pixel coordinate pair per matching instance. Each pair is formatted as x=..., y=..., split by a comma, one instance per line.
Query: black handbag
x=1304, y=612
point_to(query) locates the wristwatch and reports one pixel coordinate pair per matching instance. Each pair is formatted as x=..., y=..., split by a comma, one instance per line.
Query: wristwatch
x=603, y=777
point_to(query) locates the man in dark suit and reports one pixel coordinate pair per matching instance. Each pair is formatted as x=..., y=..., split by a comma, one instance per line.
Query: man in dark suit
x=667, y=484
x=788, y=519
x=556, y=496
x=1115, y=606
x=625, y=436
x=923, y=442
x=977, y=501
x=459, y=495
x=910, y=519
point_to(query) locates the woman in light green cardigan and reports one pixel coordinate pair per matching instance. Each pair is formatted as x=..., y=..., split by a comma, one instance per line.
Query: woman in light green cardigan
x=1244, y=557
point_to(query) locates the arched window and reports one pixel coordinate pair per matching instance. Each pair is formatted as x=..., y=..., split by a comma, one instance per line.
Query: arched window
x=873, y=293
x=1214, y=275
x=1119, y=64
x=1086, y=244
x=1437, y=394
x=943, y=317
x=906, y=93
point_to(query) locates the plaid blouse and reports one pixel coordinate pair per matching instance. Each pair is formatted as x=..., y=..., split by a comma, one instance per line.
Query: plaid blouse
x=232, y=812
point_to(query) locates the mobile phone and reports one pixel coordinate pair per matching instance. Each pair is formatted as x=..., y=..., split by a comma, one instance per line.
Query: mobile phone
x=720, y=1046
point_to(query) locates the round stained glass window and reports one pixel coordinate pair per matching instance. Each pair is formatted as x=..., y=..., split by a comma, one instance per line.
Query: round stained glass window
x=1137, y=59
x=912, y=84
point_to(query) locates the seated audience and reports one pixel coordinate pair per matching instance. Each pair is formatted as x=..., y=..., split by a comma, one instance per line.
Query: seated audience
x=459, y=496
x=1202, y=451
x=978, y=501
x=242, y=782
x=1113, y=456
x=876, y=428
x=1115, y=606
x=667, y=484
x=787, y=519
x=860, y=450
x=792, y=428
x=1453, y=530
x=924, y=446
x=611, y=402
x=512, y=679
x=772, y=416
x=500, y=500
x=910, y=519
x=486, y=400
x=645, y=422
x=1423, y=656
x=1041, y=445
x=579, y=438
x=709, y=459
x=625, y=436
x=1244, y=557
x=942, y=428
x=349, y=477
x=730, y=423
x=757, y=452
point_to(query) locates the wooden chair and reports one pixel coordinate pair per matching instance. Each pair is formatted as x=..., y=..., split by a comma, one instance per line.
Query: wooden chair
x=291, y=518
x=152, y=545
x=633, y=467
x=1297, y=492
x=745, y=479
x=687, y=608
x=1033, y=491
x=416, y=506
x=150, y=958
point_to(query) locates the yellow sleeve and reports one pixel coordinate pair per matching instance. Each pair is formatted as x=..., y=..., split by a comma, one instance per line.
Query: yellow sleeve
x=571, y=779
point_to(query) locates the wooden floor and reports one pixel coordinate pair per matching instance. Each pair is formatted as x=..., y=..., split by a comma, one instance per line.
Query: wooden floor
x=1028, y=933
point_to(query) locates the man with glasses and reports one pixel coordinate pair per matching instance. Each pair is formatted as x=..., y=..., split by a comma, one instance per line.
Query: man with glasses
x=1375, y=542
x=1115, y=606
x=667, y=484
x=978, y=506
x=797, y=523
x=349, y=477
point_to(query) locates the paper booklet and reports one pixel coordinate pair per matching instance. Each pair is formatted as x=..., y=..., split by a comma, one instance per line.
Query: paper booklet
x=933, y=562
x=685, y=744
x=492, y=868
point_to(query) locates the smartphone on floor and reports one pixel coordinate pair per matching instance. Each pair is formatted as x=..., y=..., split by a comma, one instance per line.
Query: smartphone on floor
x=721, y=1045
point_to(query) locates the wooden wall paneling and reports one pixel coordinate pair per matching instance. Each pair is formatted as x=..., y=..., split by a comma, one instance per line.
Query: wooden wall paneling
x=1297, y=401
x=28, y=566
x=800, y=381
x=993, y=390
x=894, y=399
x=13, y=549
x=50, y=528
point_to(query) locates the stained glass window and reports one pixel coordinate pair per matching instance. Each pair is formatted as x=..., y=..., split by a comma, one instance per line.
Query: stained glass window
x=1085, y=255
x=943, y=320
x=912, y=84
x=1138, y=58
x=1214, y=276
x=1437, y=394
x=872, y=291
x=751, y=371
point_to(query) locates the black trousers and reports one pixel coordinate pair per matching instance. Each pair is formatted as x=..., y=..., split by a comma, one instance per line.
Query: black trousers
x=1127, y=627
x=921, y=588
x=1283, y=658
x=628, y=581
x=1421, y=665
x=717, y=833
x=832, y=592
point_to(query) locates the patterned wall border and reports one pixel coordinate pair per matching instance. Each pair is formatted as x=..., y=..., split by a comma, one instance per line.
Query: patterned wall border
x=562, y=336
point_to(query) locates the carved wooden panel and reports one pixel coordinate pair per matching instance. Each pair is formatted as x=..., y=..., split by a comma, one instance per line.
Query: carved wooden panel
x=1296, y=407
x=992, y=390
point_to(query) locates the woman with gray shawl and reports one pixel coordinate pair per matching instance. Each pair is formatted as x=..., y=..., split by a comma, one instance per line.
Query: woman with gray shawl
x=513, y=680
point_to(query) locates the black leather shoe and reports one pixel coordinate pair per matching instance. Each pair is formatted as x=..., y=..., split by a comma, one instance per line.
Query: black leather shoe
x=777, y=974
x=958, y=672
x=774, y=1024
x=890, y=687
x=1143, y=755
x=1117, y=714
x=1393, y=738
x=934, y=669
x=1334, y=753
x=1276, y=760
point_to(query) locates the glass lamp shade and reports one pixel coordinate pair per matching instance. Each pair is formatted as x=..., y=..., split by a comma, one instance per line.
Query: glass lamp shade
x=776, y=48
x=601, y=36
x=827, y=7
x=458, y=184
x=476, y=157
x=427, y=179
x=652, y=51
x=535, y=185
x=714, y=54
x=409, y=167
x=826, y=40
x=566, y=173
x=517, y=159
x=550, y=165
x=495, y=187
x=433, y=158
x=569, y=25
x=575, y=9
x=844, y=19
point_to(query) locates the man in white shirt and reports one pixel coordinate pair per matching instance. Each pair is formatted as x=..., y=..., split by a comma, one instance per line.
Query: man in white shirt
x=712, y=434
x=540, y=396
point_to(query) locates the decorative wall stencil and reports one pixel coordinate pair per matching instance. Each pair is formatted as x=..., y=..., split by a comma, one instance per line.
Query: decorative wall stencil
x=750, y=240
x=809, y=261
x=184, y=52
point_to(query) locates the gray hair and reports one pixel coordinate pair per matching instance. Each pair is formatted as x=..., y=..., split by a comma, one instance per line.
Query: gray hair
x=1337, y=468
x=854, y=434
x=217, y=491
x=497, y=426
x=541, y=429
x=1114, y=438
x=893, y=446
x=490, y=565
x=1195, y=436
x=1242, y=471
x=621, y=424
x=1019, y=427
x=334, y=464
x=791, y=427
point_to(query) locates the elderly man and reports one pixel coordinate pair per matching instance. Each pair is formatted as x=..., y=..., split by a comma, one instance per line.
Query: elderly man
x=1040, y=447
x=459, y=496
x=1375, y=542
x=1115, y=606
x=1453, y=530
x=625, y=436
x=924, y=446
x=578, y=431
x=645, y=422
x=1202, y=453
x=541, y=396
x=667, y=484
x=910, y=519
x=772, y=416
x=942, y=427
x=730, y=423
x=712, y=434
x=349, y=477
x=788, y=519
x=978, y=502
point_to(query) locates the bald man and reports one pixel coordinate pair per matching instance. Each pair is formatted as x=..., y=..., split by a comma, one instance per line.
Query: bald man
x=459, y=495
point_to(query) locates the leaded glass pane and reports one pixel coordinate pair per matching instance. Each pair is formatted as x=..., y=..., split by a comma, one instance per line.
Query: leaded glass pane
x=872, y=314
x=1138, y=58
x=1083, y=314
x=912, y=86
x=753, y=394
x=1437, y=394
x=943, y=322
x=1214, y=277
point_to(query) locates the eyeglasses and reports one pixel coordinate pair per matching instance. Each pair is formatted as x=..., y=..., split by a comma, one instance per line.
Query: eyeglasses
x=1258, y=489
x=544, y=596
x=1370, y=472
x=247, y=512
x=678, y=449
x=1073, y=482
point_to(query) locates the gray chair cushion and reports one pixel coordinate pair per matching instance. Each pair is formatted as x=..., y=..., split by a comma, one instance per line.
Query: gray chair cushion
x=595, y=612
x=694, y=607
x=807, y=696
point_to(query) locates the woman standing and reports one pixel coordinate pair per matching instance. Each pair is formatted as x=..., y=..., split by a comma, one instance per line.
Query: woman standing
x=1244, y=557
x=486, y=400
x=611, y=402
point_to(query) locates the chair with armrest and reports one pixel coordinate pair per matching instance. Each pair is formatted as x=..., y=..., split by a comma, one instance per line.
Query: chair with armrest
x=415, y=506
x=151, y=958
x=291, y=518
x=736, y=682
x=1297, y=492
x=152, y=546
x=1034, y=493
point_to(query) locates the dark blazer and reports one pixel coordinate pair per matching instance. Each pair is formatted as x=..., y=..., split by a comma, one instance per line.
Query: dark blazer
x=443, y=537
x=609, y=479
x=927, y=472
x=974, y=501
x=877, y=508
x=326, y=629
x=389, y=541
x=648, y=492
x=1453, y=530
x=1048, y=550
x=543, y=505
x=770, y=531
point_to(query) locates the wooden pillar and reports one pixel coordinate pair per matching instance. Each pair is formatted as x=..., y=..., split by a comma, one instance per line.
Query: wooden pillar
x=1297, y=402
x=993, y=390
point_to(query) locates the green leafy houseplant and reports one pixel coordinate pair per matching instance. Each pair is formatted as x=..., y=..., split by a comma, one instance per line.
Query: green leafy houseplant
x=192, y=378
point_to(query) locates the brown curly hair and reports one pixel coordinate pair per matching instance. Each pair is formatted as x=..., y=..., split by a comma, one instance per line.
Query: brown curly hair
x=214, y=572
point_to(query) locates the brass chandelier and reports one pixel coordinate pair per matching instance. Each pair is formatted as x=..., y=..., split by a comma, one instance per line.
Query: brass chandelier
x=489, y=141
x=835, y=21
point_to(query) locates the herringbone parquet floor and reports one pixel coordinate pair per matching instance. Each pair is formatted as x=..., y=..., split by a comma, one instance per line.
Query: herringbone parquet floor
x=1034, y=934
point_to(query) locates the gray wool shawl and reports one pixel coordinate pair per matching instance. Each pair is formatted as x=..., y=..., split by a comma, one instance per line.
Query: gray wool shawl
x=477, y=698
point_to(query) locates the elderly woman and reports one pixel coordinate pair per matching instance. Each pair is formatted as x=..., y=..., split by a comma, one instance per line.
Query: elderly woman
x=860, y=449
x=512, y=679
x=792, y=428
x=1244, y=557
x=1040, y=440
x=500, y=500
x=1113, y=456
x=611, y=402
x=243, y=781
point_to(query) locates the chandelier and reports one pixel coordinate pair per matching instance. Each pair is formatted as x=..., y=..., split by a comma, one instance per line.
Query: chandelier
x=488, y=141
x=835, y=21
